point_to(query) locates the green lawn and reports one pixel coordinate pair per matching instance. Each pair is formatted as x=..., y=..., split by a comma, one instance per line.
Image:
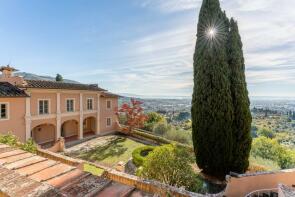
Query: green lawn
x=110, y=153
x=93, y=169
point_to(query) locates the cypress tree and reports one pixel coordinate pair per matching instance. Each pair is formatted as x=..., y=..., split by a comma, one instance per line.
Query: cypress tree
x=242, y=116
x=212, y=109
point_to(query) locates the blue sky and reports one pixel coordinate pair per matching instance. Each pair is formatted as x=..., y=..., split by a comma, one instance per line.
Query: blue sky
x=143, y=47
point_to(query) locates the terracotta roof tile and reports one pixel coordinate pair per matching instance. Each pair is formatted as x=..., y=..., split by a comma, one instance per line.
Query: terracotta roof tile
x=51, y=172
x=11, y=153
x=116, y=189
x=110, y=95
x=89, y=185
x=25, y=162
x=31, y=169
x=9, y=90
x=64, y=179
x=60, y=85
x=13, y=158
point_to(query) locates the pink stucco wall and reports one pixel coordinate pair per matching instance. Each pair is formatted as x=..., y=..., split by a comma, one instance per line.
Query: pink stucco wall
x=35, y=97
x=16, y=122
x=65, y=96
x=105, y=113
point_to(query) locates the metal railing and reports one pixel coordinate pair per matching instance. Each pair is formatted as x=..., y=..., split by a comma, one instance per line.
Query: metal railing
x=262, y=191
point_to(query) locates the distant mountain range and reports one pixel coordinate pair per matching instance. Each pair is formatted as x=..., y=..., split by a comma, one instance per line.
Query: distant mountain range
x=30, y=76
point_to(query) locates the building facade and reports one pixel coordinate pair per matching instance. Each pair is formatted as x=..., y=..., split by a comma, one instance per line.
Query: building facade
x=48, y=110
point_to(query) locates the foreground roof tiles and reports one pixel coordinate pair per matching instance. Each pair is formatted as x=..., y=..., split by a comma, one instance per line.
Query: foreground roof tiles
x=9, y=90
x=60, y=85
x=26, y=174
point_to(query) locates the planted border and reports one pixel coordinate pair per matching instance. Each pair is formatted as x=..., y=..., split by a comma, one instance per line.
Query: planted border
x=139, y=154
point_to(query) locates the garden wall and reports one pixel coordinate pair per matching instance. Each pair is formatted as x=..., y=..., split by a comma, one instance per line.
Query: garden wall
x=246, y=183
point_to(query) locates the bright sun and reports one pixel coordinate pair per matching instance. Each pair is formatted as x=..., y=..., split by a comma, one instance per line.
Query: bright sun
x=211, y=32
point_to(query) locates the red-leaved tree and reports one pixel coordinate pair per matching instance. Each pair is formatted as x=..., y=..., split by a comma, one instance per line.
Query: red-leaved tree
x=135, y=117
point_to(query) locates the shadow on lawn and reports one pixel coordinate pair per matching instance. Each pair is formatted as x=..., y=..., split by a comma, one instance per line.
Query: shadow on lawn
x=113, y=148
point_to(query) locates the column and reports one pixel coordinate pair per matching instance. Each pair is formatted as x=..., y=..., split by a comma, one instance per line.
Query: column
x=28, y=117
x=58, y=116
x=98, y=115
x=81, y=117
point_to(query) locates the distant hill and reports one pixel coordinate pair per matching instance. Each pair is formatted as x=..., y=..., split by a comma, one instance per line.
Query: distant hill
x=30, y=76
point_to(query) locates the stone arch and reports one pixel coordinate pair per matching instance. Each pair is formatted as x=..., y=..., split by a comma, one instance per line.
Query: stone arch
x=70, y=128
x=44, y=133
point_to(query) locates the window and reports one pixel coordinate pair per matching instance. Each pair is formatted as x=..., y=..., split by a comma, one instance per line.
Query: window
x=4, y=111
x=90, y=104
x=109, y=122
x=70, y=105
x=43, y=107
x=109, y=104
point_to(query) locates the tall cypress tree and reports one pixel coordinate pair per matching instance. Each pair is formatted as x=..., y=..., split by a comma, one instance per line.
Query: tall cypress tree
x=242, y=115
x=212, y=109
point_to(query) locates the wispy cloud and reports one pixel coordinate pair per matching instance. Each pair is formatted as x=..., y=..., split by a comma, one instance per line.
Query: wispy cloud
x=160, y=63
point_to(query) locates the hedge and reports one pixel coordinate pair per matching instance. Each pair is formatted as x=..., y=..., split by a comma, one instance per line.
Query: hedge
x=158, y=139
x=138, y=155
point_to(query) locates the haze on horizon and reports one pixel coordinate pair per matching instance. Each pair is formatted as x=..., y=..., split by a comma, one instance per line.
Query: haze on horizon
x=143, y=47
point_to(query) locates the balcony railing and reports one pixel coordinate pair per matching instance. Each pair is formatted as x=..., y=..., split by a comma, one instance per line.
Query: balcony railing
x=264, y=193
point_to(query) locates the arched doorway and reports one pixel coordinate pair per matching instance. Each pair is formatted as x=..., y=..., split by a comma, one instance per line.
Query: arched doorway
x=70, y=128
x=44, y=134
x=89, y=126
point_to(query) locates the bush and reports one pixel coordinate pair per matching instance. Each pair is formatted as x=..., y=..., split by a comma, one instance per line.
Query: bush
x=12, y=140
x=161, y=128
x=9, y=139
x=139, y=154
x=153, y=119
x=266, y=133
x=29, y=146
x=170, y=164
x=180, y=136
x=270, y=149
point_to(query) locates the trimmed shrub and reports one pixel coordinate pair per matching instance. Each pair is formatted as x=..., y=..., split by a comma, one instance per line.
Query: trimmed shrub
x=158, y=139
x=139, y=154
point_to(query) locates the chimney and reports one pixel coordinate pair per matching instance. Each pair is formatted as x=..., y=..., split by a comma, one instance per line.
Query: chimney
x=7, y=71
x=7, y=76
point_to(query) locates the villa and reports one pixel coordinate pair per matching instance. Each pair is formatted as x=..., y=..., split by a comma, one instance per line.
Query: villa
x=48, y=110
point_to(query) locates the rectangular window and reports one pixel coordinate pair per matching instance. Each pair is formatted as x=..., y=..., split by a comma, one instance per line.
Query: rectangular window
x=70, y=105
x=90, y=104
x=43, y=107
x=4, y=111
x=109, y=122
x=109, y=104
